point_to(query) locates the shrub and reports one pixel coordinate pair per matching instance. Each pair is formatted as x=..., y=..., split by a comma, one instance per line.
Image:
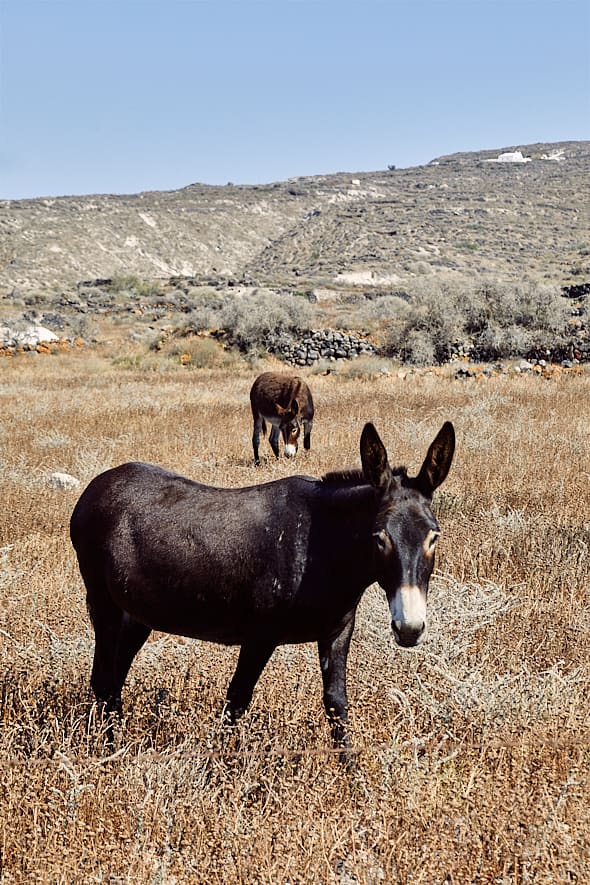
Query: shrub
x=496, y=342
x=132, y=285
x=252, y=319
x=419, y=348
x=206, y=307
x=199, y=353
x=498, y=319
x=505, y=320
x=544, y=309
x=427, y=327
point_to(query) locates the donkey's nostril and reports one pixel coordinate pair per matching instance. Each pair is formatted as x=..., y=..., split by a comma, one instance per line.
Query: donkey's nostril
x=407, y=636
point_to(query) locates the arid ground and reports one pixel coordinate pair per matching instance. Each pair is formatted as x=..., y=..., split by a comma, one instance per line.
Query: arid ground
x=474, y=750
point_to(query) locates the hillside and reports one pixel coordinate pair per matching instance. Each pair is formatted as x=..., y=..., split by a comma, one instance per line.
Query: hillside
x=459, y=215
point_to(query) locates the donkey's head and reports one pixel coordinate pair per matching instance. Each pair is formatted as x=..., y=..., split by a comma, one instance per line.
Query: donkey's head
x=405, y=530
x=289, y=426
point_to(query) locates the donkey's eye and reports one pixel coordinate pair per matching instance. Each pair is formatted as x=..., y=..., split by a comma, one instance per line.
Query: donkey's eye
x=382, y=541
x=430, y=542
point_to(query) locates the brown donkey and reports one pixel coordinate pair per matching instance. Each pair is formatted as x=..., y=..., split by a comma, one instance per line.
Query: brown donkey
x=285, y=402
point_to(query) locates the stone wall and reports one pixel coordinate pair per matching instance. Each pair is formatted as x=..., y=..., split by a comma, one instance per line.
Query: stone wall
x=321, y=344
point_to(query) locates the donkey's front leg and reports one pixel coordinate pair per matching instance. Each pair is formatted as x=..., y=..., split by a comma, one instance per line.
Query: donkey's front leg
x=258, y=426
x=273, y=439
x=251, y=662
x=333, y=655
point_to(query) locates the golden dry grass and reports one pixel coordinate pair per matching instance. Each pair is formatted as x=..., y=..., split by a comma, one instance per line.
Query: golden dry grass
x=474, y=758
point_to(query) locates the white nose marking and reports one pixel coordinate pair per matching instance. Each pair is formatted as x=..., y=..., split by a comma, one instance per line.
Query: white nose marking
x=409, y=608
x=290, y=450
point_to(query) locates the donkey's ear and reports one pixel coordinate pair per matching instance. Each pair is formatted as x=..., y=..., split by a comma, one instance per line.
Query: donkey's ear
x=438, y=460
x=374, y=458
x=294, y=407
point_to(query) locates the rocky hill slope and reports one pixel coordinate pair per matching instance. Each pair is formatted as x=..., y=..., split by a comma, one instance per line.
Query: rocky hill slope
x=461, y=215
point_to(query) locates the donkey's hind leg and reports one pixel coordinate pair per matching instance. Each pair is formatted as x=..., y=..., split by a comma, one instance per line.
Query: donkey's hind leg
x=118, y=638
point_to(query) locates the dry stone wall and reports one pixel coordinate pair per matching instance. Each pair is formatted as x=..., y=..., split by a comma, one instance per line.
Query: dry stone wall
x=321, y=344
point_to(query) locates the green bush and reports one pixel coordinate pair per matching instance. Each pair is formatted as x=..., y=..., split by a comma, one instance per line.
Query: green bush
x=129, y=284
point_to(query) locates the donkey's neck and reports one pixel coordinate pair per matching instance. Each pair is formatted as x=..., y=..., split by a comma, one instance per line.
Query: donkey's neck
x=345, y=520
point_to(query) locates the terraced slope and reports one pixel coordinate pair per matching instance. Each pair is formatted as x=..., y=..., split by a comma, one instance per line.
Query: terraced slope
x=458, y=215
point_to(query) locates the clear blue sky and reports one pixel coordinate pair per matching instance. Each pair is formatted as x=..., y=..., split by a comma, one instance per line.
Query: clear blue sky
x=119, y=96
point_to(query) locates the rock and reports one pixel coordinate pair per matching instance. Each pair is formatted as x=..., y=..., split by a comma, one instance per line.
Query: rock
x=319, y=344
x=30, y=336
x=64, y=482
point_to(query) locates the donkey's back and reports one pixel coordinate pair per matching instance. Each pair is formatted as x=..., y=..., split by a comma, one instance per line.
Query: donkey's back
x=188, y=558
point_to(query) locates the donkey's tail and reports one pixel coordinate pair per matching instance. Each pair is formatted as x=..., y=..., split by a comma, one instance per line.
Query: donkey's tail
x=263, y=427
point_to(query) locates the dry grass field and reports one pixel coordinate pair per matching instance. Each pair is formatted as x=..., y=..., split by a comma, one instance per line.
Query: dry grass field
x=474, y=750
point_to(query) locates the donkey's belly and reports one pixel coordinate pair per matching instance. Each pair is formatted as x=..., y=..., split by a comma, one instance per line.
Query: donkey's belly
x=227, y=629
x=272, y=419
x=233, y=621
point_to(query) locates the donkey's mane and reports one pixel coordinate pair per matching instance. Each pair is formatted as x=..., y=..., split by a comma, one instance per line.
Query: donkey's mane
x=401, y=471
x=344, y=478
x=356, y=477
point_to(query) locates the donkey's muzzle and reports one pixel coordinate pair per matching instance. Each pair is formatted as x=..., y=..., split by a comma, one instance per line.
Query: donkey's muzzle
x=407, y=636
x=408, y=615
